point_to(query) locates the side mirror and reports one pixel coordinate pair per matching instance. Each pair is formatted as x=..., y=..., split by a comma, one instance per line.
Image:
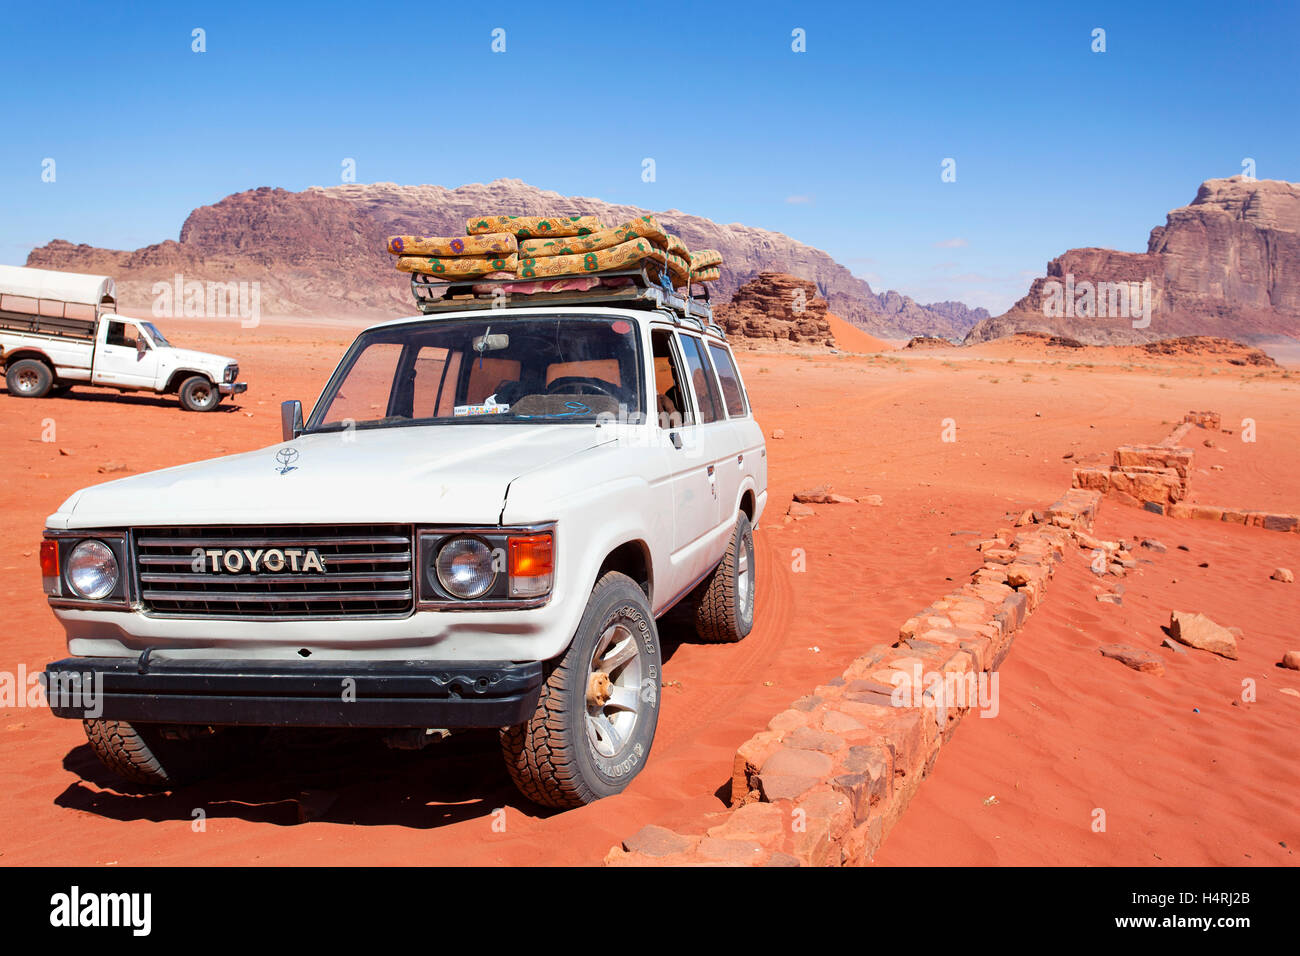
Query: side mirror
x=291, y=419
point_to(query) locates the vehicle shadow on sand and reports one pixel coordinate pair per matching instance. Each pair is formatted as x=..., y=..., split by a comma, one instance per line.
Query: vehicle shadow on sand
x=138, y=399
x=295, y=777
x=292, y=777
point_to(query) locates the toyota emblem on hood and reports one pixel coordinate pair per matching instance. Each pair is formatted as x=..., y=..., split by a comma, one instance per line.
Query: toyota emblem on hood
x=286, y=456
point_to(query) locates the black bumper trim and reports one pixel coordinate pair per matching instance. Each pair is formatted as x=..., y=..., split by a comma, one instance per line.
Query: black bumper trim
x=291, y=694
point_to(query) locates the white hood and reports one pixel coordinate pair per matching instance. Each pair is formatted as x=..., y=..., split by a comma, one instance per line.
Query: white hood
x=424, y=474
x=177, y=358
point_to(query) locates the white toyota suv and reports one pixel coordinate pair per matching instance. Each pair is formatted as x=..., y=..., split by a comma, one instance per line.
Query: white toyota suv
x=477, y=526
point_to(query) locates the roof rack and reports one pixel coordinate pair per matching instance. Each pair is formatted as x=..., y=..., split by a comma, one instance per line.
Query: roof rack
x=690, y=305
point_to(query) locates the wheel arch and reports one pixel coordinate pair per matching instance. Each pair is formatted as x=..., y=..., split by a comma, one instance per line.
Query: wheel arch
x=632, y=558
x=17, y=355
x=180, y=375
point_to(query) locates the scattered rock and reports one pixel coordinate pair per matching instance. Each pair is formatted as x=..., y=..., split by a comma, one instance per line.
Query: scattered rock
x=656, y=841
x=1284, y=575
x=1290, y=691
x=1151, y=544
x=799, y=511
x=113, y=468
x=778, y=433
x=1197, y=630
x=1291, y=660
x=1134, y=657
x=1173, y=645
x=822, y=495
x=874, y=500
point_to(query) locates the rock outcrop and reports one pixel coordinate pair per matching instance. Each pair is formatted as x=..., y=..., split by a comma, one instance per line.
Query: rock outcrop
x=1227, y=265
x=777, y=308
x=320, y=251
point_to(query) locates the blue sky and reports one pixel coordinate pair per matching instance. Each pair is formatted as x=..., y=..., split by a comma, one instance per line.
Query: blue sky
x=840, y=146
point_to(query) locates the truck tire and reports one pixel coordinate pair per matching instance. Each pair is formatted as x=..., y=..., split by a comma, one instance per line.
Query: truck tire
x=723, y=604
x=29, y=378
x=197, y=394
x=596, y=717
x=143, y=753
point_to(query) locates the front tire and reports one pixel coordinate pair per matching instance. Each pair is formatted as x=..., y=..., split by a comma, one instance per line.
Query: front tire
x=596, y=717
x=197, y=394
x=29, y=378
x=162, y=756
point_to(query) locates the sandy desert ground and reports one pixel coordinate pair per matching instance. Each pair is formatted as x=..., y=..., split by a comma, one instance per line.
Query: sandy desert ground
x=1186, y=771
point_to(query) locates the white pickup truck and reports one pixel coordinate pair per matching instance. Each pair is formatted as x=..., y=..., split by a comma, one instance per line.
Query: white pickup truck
x=59, y=329
x=477, y=526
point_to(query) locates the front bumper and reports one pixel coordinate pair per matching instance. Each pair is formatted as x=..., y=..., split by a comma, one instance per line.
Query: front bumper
x=291, y=694
x=232, y=388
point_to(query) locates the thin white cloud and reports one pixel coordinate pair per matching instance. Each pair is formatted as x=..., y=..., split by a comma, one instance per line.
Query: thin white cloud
x=798, y=200
x=955, y=243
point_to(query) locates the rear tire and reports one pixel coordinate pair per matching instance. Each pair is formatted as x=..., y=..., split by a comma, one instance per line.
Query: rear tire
x=197, y=394
x=596, y=717
x=29, y=378
x=159, y=755
x=722, y=606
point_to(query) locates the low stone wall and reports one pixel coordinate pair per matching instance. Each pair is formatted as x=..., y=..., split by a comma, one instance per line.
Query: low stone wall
x=1156, y=477
x=830, y=776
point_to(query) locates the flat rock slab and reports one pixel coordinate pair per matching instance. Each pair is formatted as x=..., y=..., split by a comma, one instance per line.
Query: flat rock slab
x=1197, y=630
x=1134, y=657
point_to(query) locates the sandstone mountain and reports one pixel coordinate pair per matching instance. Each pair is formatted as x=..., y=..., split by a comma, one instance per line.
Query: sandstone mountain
x=1226, y=265
x=320, y=252
x=777, y=308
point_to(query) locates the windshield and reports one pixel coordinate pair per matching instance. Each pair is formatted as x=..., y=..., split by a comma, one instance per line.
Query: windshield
x=495, y=369
x=158, y=338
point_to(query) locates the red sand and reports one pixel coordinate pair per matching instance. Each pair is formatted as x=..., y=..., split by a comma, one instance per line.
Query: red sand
x=1194, y=788
x=850, y=338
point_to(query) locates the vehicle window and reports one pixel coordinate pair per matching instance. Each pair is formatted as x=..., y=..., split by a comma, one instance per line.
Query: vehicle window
x=158, y=338
x=706, y=392
x=121, y=333
x=364, y=395
x=489, y=370
x=729, y=379
x=430, y=368
x=673, y=411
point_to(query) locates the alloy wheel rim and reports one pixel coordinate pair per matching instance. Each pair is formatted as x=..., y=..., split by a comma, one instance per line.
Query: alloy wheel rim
x=744, y=581
x=613, y=699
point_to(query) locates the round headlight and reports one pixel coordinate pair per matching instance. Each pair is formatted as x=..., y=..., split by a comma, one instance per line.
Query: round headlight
x=92, y=570
x=464, y=567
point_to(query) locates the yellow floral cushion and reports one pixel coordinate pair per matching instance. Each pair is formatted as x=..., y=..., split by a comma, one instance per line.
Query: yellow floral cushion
x=644, y=227
x=458, y=267
x=488, y=244
x=528, y=227
x=703, y=258
x=625, y=255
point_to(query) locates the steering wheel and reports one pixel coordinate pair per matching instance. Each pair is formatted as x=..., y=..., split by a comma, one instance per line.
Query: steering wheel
x=583, y=385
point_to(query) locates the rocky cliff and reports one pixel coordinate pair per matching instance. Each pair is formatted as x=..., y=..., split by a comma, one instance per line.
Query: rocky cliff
x=776, y=308
x=1226, y=265
x=320, y=252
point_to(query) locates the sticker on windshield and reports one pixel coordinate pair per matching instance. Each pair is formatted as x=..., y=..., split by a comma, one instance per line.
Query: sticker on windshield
x=463, y=410
x=621, y=326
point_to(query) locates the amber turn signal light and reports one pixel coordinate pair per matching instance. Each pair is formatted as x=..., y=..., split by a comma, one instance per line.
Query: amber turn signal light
x=50, y=567
x=531, y=565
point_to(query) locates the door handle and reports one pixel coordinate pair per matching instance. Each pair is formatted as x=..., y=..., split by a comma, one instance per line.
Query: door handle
x=676, y=439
